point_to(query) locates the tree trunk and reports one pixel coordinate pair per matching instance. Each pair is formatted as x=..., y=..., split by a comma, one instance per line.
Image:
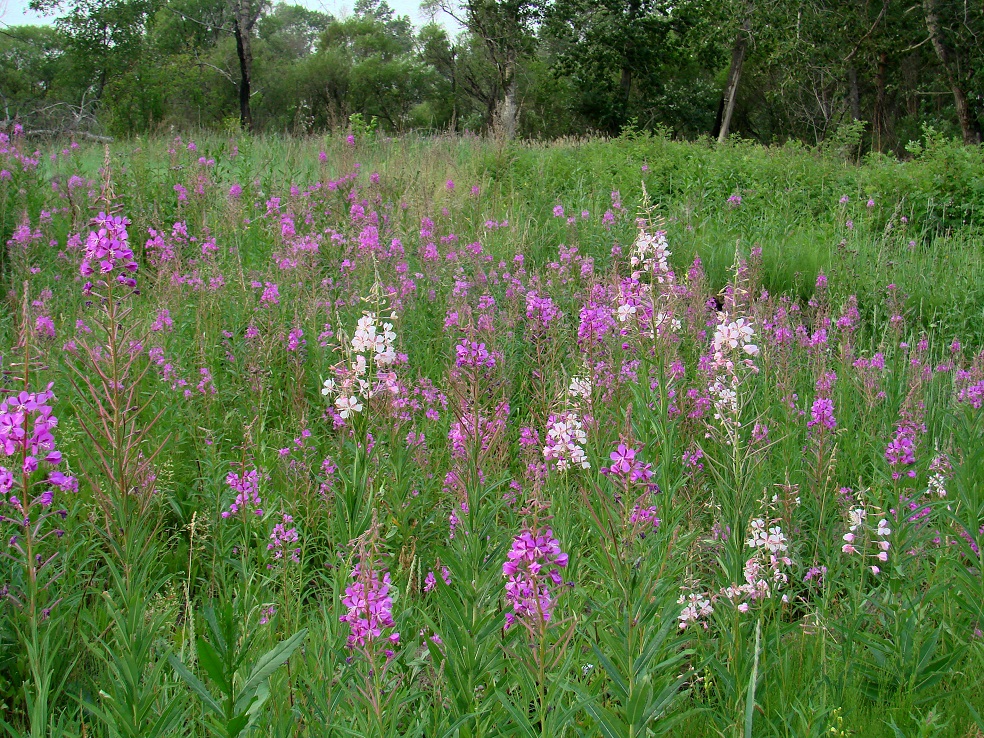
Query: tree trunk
x=853, y=93
x=508, y=112
x=878, y=124
x=454, y=94
x=718, y=118
x=241, y=28
x=734, y=75
x=625, y=86
x=618, y=116
x=969, y=124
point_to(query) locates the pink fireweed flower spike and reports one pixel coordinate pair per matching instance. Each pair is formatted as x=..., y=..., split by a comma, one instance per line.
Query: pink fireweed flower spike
x=532, y=569
x=247, y=489
x=108, y=254
x=369, y=607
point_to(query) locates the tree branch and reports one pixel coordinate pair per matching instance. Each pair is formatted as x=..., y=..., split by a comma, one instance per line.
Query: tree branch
x=80, y=134
x=221, y=71
x=871, y=30
x=206, y=26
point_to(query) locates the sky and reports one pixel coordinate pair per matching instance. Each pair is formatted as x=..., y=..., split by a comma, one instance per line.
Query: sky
x=17, y=13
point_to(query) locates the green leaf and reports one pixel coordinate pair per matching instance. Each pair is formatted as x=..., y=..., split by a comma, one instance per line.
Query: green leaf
x=635, y=709
x=974, y=714
x=522, y=721
x=210, y=661
x=610, y=724
x=453, y=728
x=653, y=645
x=752, y=683
x=164, y=725
x=99, y=712
x=196, y=685
x=217, y=635
x=262, y=695
x=618, y=681
x=658, y=705
x=272, y=660
x=236, y=726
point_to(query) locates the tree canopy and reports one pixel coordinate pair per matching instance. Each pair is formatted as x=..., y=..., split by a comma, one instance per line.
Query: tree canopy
x=764, y=69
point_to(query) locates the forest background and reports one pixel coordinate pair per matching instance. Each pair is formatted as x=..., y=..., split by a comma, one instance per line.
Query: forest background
x=866, y=72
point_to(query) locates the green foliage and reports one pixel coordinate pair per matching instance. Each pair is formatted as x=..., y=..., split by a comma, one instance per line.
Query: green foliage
x=134, y=700
x=808, y=72
x=243, y=688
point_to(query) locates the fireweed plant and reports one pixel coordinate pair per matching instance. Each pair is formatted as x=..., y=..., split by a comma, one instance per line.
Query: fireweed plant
x=402, y=437
x=107, y=370
x=34, y=515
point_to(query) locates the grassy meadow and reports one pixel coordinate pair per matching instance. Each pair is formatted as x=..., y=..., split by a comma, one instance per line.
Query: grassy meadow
x=365, y=436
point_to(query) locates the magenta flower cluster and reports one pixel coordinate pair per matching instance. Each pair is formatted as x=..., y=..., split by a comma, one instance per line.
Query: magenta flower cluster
x=822, y=415
x=626, y=466
x=26, y=424
x=282, y=541
x=470, y=354
x=247, y=489
x=901, y=451
x=369, y=607
x=271, y=293
x=645, y=515
x=540, y=310
x=822, y=412
x=468, y=431
x=107, y=250
x=532, y=567
x=430, y=581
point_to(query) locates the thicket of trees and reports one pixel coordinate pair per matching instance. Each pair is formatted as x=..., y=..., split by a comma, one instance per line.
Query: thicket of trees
x=767, y=69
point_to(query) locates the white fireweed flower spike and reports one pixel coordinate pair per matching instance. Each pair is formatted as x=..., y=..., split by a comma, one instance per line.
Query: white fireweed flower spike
x=364, y=372
x=625, y=312
x=347, y=406
x=696, y=606
x=650, y=253
x=565, y=442
x=730, y=337
x=580, y=387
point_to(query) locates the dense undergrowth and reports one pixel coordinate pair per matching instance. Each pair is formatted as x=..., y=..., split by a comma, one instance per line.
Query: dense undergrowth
x=449, y=437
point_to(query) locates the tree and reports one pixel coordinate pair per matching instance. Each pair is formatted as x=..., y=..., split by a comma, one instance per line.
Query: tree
x=507, y=29
x=292, y=32
x=33, y=75
x=286, y=39
x=738, y=51
x=106, y=37
x=244, y=17
x=200, y=26
x=955, y=34
x=767, y=69
x=367, y=63
x=467, y=88
x=626, y=59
